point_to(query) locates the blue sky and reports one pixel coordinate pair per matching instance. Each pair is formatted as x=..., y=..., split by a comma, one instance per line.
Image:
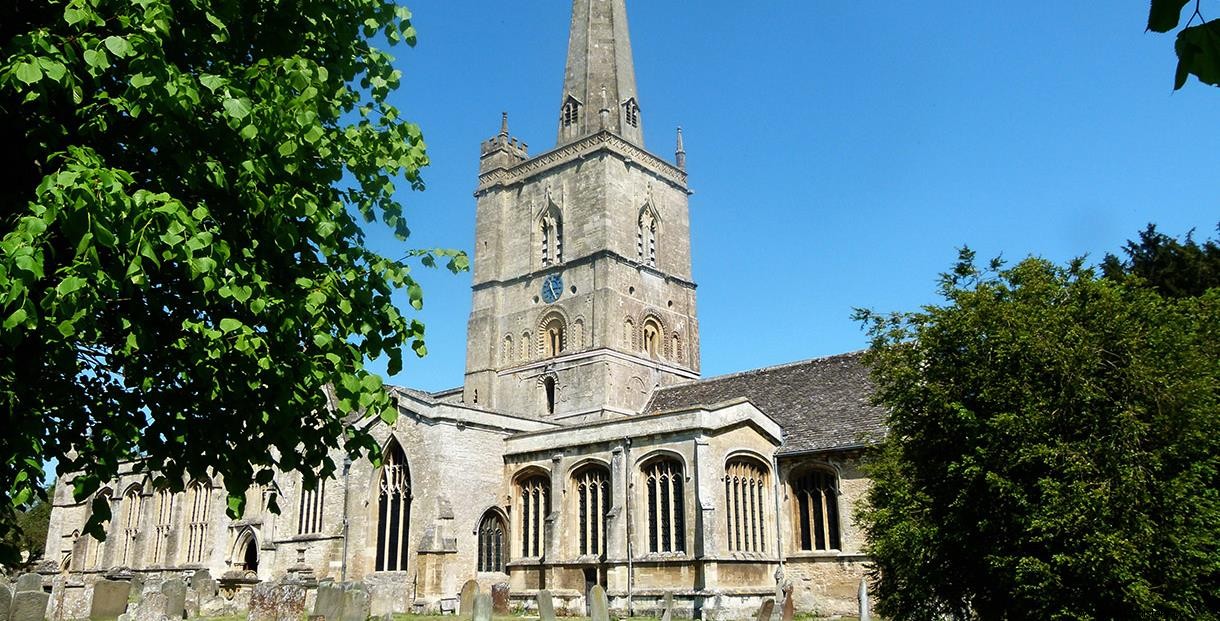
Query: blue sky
x=839, y=152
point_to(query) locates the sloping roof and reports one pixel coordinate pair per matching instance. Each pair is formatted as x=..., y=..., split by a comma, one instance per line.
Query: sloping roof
x=821, y=404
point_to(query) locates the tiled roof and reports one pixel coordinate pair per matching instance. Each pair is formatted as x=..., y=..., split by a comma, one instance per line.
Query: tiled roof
x=821, y=404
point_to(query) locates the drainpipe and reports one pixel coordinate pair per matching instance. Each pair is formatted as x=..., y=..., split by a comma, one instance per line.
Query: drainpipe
x=347, y=469
x=779, y=529
x=630, y=525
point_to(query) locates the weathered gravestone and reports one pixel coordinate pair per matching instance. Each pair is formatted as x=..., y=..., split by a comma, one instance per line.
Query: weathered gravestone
x=470, y=590
x=272, y=601
x=546, y=606
x=151, y=608
x=28, y=582
x=764, y=611
x=357, y=605
x=599, y=608
x=788, y=610
x=482, y=607
x=203, y=582
x=865, y=613
x=499, y=598
x=137, y=587
x=109, y=599
x=174, y=591
x=29, y=606
x=667, y=606
x=6, y=601
x=329, y=602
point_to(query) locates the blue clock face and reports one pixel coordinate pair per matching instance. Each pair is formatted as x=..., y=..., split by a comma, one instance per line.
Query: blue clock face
x=552, y=288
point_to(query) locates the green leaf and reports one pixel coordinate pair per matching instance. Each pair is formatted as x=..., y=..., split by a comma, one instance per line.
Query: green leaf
x=249, y=132
x=29, y=72
x=1164, y=15
x=140, y=80
x=53, y=68
x=287, y=148
x=228, y=324
x=238, y=108
x=211, y=82
x=96, y=59
x=73, y=16
x=117, y=45
x=18, y=316
x=70, y=284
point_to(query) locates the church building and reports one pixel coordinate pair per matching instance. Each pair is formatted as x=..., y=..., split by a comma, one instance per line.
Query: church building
x=583, y=446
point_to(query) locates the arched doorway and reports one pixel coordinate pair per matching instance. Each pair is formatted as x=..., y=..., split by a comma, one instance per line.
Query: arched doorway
x=245, y=552
x=250, y=557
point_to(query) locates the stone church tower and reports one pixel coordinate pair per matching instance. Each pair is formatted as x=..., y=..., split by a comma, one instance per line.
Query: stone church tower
x=583, y=295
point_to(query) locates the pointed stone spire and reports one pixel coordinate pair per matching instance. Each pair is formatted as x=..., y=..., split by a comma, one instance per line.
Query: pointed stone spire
x=680, y=152
x=599, y=57
x=504, y=124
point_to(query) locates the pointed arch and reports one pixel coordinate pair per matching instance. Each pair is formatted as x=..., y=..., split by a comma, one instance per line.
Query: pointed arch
x=631, y=111
x=746, y=482
x=129, y=514
x=815, y=492
x=393, y=509
x=97, y=549
x=163, y=503
x=591, y=483
x=199, y=503
x=245, y=555
x=569, y=113
x=549, y=225
x=647, y=224
x=493, y=538
x=533, y=487
x=665, y=503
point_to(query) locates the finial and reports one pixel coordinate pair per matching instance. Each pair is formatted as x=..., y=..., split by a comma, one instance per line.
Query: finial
x=504, y=124
x=680, y=152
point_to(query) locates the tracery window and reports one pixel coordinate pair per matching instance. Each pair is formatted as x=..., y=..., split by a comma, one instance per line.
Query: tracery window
x=162, y=526
x=393, y=510
x=309, y=519
x=491, y=542
x=551, y=225
x=646, y=237
x=197, y=526
x=817, y=499
x=651, y=337
x=592, y=504
x=132, y=506
x=535, y=503
x=666, y=506
x=97, y=548
x=745, y=493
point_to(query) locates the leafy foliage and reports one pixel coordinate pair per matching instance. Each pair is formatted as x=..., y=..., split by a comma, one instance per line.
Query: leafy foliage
x=183, y=274
x=1197, y=46
x=1174, y=268
x=1054, y=449
x=34, y=524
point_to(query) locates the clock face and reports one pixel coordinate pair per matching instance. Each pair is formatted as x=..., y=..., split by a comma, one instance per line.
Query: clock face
x=552, y=288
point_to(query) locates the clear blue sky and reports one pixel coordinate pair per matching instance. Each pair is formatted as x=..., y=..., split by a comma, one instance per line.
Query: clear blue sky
x=839, y=151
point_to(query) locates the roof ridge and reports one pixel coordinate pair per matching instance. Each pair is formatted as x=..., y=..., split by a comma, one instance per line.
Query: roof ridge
x=784, y=365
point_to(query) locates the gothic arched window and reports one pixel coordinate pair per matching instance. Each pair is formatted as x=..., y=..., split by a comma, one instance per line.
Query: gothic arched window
x=666, y=505
x=651, y=337
x=97, y=550
x=816, y=494
x=592, y=504
x=132, y=506
x=551, y=227
x=393, y=510
x=200, y=503
x=745, y=503
x=646, y=237
x=162, y=526
x=309, y=518
x=534, y=496
x=491, y=542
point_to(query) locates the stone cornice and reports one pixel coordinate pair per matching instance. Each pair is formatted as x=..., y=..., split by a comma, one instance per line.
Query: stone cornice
x=580, y=261
x=601, y=141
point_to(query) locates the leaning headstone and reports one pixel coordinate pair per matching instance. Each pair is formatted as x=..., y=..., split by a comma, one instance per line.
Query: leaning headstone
x=174, y=591
x=109, y=599
x=29, y=605
x=151, y=608
x=788, y=610
x=667, y=606
x=764, y=611
x=28, y=582
x=865, y=614
x=546, y=606
x=203, y=582
x=599, y=607
x=470, y=590
x=329, y=602
x=277, y=602
x=6, y=601
x=482, y=607
x=499, y=598
x=357, y=605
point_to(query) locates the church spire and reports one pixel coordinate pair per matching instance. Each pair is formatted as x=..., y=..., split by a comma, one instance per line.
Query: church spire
x=599, y=83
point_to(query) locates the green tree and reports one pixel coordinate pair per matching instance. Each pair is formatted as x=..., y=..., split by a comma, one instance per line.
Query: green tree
x=183, y=271
x=1197, y=45
x=1053, y=449
x=34, y=523
x=1174, y=268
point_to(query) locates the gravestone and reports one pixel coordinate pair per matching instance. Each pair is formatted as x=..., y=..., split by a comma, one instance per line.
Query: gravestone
x=357, y=605
x=203, y=582
x=6, y=601
x=470, y=590
x=546, y=606
x=599, y=608
x=137, y=586
x=329, y=602
x=174, y=591
x=151, y=608
x=667, y=607
x=28, y=582
x=865, y=613
x=499, y=598
x=29, y=605
x=764, y=611
x=482, y=607
x=788, y=610
x=109, y=599
x=272, y=601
